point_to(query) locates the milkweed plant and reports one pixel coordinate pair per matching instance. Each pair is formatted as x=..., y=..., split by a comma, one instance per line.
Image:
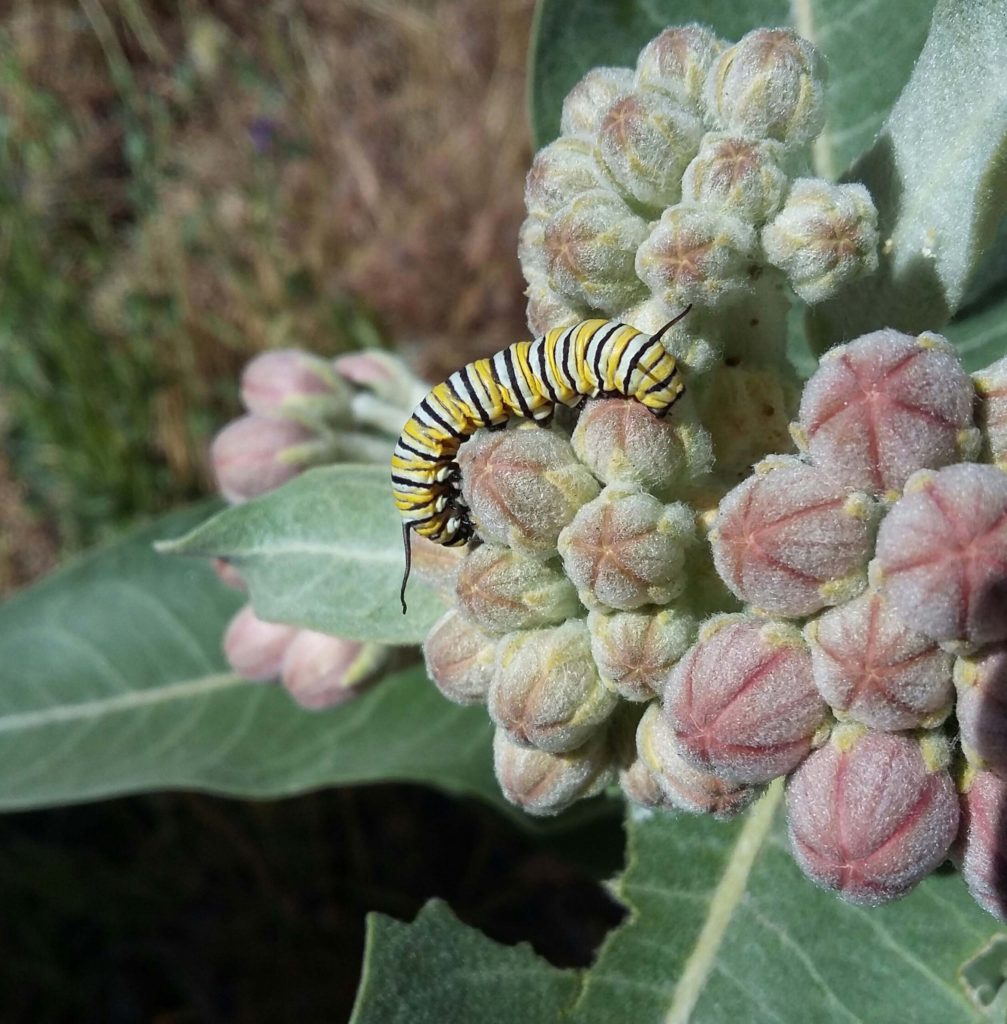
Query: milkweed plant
x=790, y=588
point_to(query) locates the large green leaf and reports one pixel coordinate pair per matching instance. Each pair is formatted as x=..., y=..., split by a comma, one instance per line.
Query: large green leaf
x=437, y=970
x=938, y=174
x=870, y=47
x=324, y=551
x=113, y=682
x=722, y=926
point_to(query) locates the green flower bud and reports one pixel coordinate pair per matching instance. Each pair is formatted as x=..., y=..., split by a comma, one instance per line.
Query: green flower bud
x=697, y=255
x=544, y=784
x=460, y=658
x=587, y=101
x=624, y=550
x=623, y=443
x=635, y=651
x=824, y=237
x=741, y=176
x=547, y=308
x=562, y=170
x=748, y=413
x=591, y=244
x=771, y=85
x=645, y=142
x=677, y=63
x=531, y=248
x=545, y=691
x=502, y=590
x=523, y=486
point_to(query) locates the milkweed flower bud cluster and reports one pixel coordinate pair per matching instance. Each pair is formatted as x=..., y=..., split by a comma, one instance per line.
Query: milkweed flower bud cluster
x=304, y=411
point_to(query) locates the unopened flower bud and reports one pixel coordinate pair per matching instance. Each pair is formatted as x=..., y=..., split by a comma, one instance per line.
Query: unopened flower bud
x=646, y=140
x=769, y=85
x=591, y=244
x=545, y=691
x=623, y=443
x=872, y=813
x=437, y=565
x=942, y=551
x=253, y=455
x=991, y=387
x=560, y=171
x=824, y=237
x=742, y=702
x=982, y=841
x=635, y=651
x=381, y=375
x=322, y=671
x=790, y=540
x=677, y=62
x=884, y=406
x=460, y=658
x=873, y=668
x=742, y=176
x=981, y=709
x=547, y=308
x=587, y=101
x=228, y=575
x=254, y=648
x=747, y=410
x=683, y=785
x=698, y=255
x=502, y=590
x=625, y=549
x=293, y=384
x=544, y=784
x=638, y=784
x=523, y=486
x=685, y=341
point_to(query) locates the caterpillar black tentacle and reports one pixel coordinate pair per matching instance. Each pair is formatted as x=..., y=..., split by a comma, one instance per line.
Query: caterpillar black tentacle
x=528, y=379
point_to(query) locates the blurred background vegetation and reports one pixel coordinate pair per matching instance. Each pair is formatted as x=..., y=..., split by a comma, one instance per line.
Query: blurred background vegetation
x=183, y=184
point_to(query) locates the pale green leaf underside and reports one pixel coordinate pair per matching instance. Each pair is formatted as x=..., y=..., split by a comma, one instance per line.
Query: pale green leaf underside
x=723, y=927
x=324, y=551
x=112, y=681
x=865, y=76
x=938, y=174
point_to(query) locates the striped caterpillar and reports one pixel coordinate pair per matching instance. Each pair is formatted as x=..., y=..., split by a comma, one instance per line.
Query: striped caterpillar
x=566, y=366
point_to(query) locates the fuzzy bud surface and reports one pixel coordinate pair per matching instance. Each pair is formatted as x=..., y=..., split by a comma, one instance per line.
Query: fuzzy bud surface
x=253, y=455
x=322, y=671
x=981, y=682
x=460, y=658
x=255, y=648
x=677, y=63
x=982, y=843
x=587, y=101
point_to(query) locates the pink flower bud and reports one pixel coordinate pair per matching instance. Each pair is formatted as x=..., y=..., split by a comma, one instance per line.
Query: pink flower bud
x=742, y=702
x=677, y=62
x=741, y=176
x=276, y=383
x=769, y=85
x=981, y=682
x=249, y=456
x=942, y=554
x=625, y=549
x=563, y=169
x=590, y=245
x=228, y=575
x=322, y=671
x=870, y=666
x=982, y=842
x=872, y=813
x=546, y=692
x=436, y=565
x=623, y=443
x=254, y=648
x=635, y=651
x=587, y=101
x=382, y=374
x=681, y=784
x=502, y=590
x=460, y=658
x=645, y=141
x=544, y=784
x=884, y=406
x=697, y=254
x=991, y=387
x=790, y=540
x=523, y=486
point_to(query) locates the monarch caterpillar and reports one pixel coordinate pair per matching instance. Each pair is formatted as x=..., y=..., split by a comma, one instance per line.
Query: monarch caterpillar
x=565, y=366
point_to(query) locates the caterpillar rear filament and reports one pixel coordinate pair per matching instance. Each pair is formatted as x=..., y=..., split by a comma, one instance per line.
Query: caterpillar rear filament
x=529, y=379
